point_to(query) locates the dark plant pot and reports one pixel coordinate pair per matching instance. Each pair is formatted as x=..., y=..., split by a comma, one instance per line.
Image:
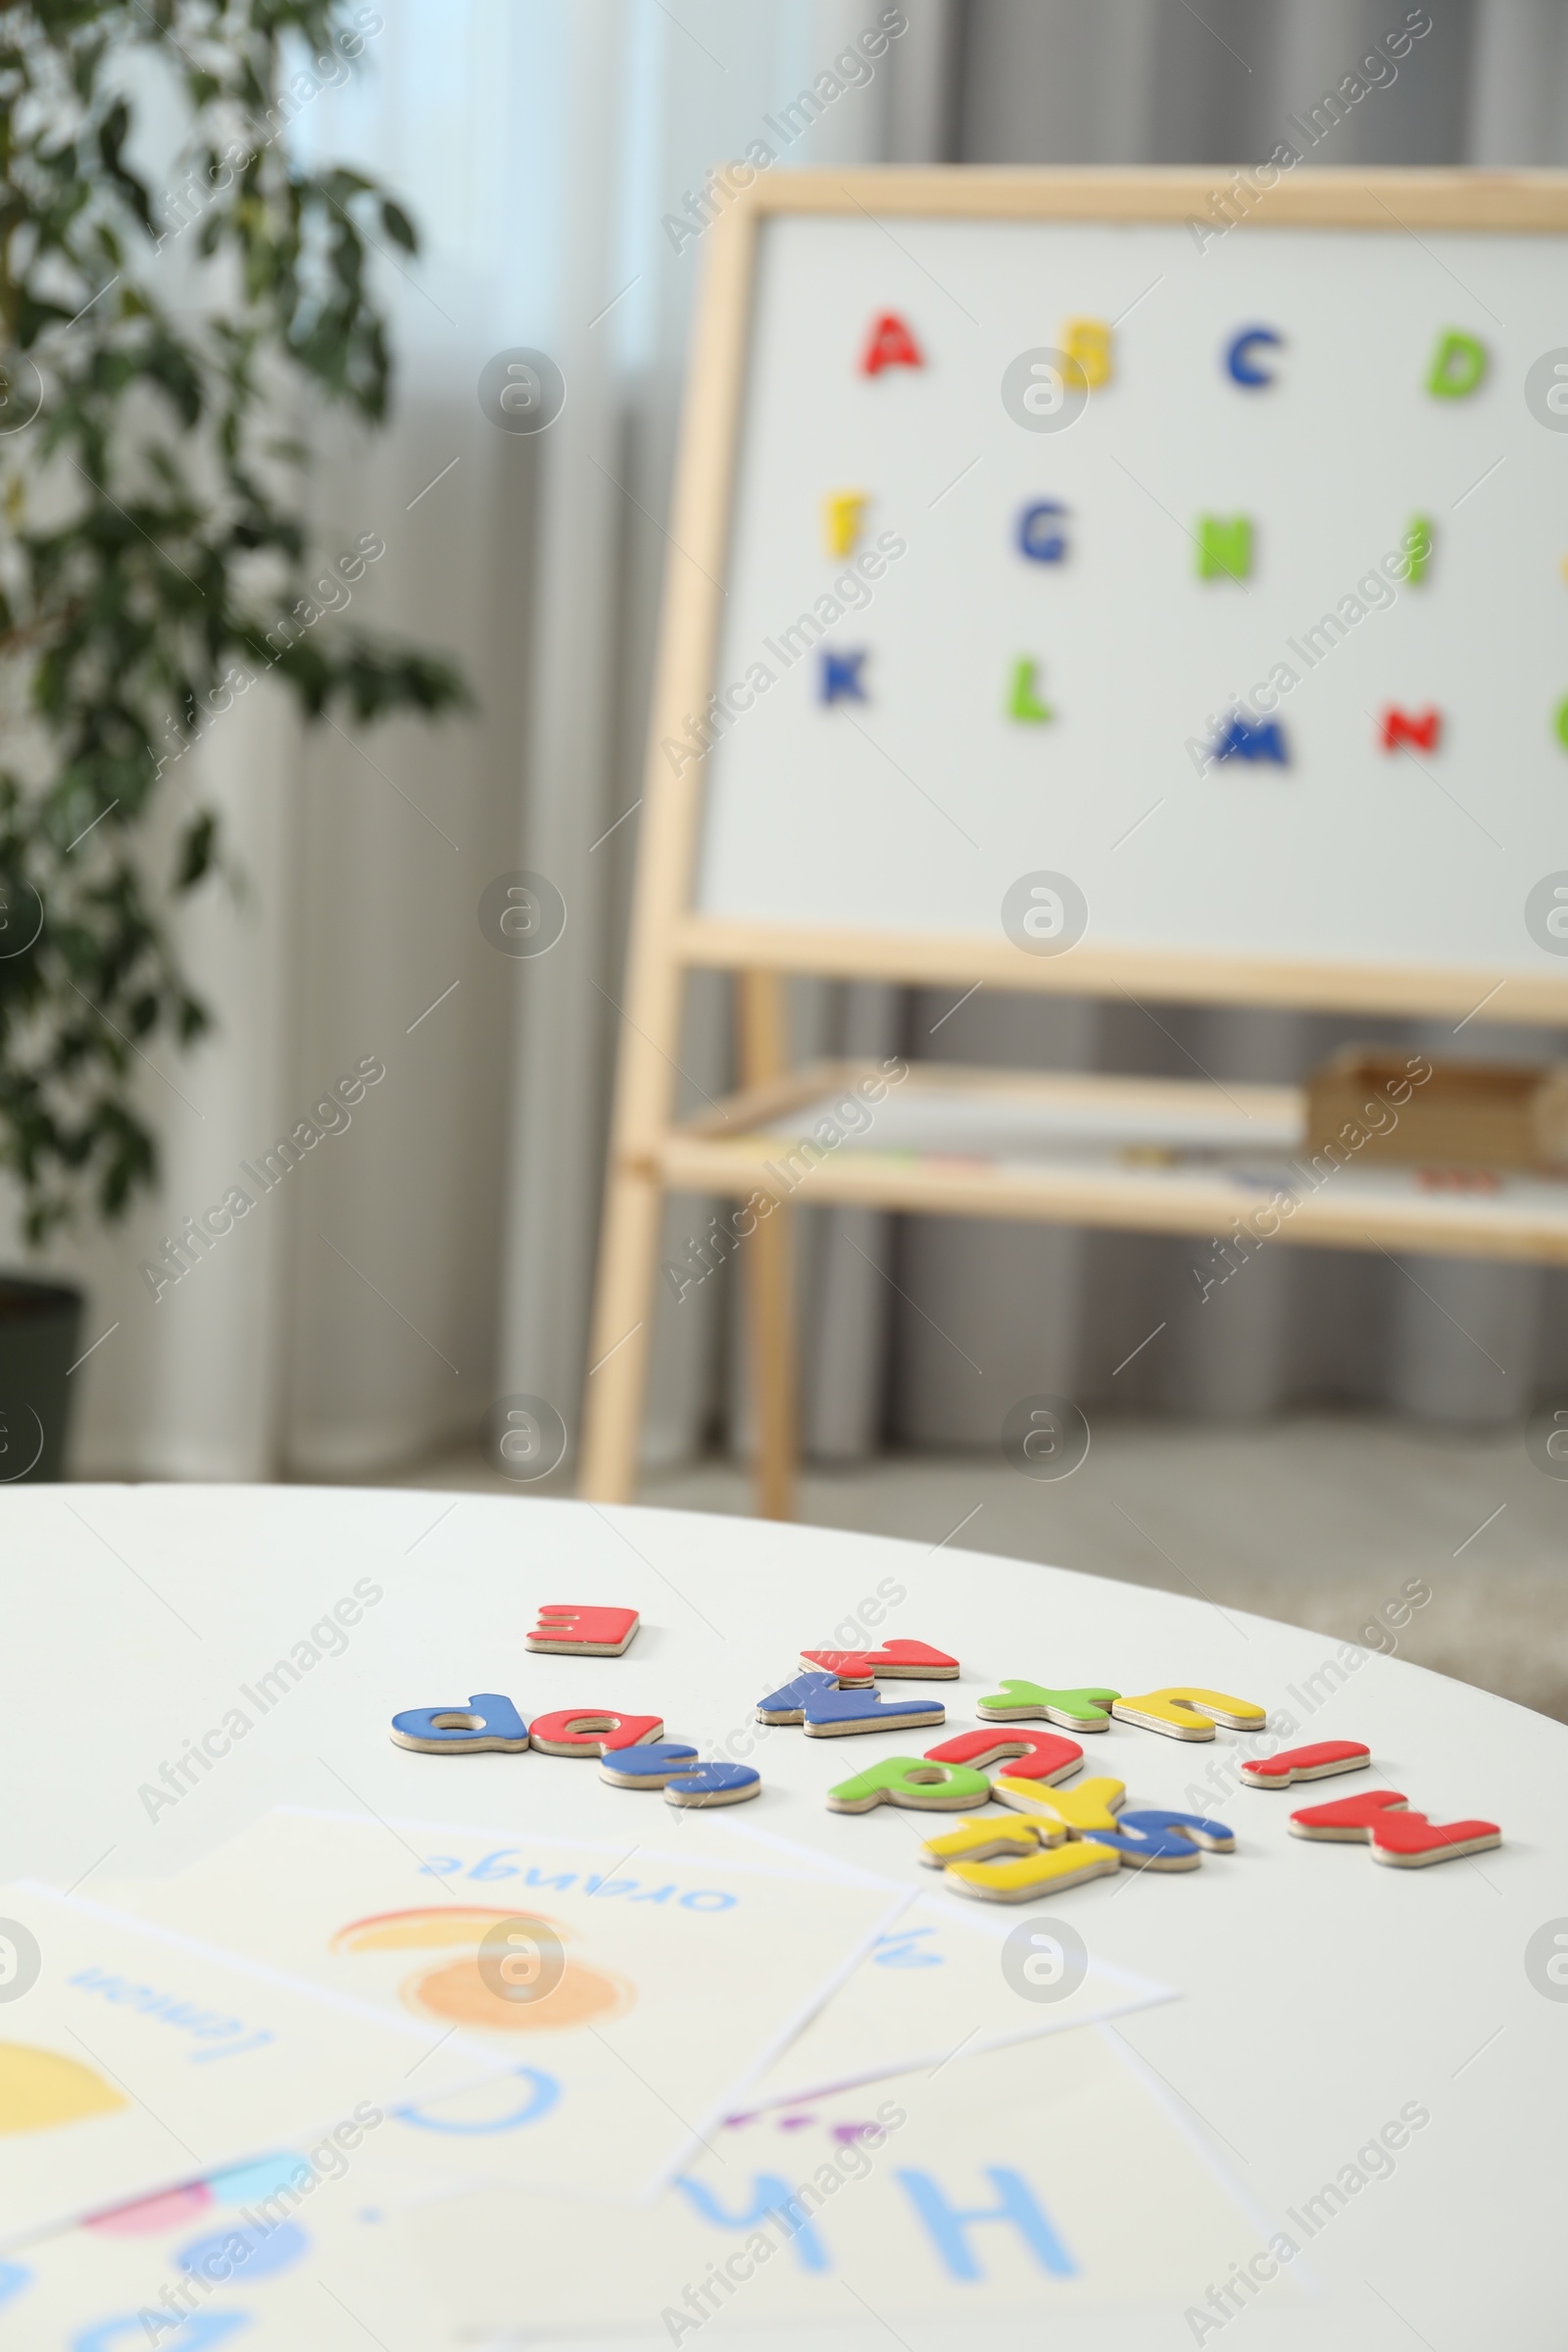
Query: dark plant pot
x=40, y=1326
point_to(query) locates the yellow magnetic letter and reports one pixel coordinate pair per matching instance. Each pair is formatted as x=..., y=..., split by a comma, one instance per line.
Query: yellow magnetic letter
x=979, y=1840
x=1087, y=341
x=1183, y=1712
x=841, y=519
x=1032, y=1874
x=1092, y=1805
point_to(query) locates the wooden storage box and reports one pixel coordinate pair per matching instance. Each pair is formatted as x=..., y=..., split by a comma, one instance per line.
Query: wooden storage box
x=1468, y=1115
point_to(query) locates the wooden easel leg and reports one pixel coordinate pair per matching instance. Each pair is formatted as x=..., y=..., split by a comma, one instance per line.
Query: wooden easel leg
x=623, y=1329
x=770, y=1312
x=769, y=1261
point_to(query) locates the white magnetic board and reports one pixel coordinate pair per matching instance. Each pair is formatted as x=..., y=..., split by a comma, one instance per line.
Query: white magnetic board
x=916, y=810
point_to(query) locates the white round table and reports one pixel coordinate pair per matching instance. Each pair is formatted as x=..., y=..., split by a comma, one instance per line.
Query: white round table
x=1319, y=1993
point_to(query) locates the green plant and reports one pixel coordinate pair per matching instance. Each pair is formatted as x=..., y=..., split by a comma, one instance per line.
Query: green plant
x=154, y=549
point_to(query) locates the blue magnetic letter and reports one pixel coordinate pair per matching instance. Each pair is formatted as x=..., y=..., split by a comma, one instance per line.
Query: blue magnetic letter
x=841, y=677
x=1015, y=2203
x=1240, y=739
x=488, y=1721
x=1243, y=368
x=1038, y=536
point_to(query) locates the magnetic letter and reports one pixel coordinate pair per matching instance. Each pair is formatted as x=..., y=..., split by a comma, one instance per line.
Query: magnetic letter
x=983, y=1840
x=1403, y=727
x=1240, y=739
x=1417, y=548
x=830, y=1714
x=1350, y=1820
x=1020, y=1880
x=1039, y=537
x=895, y=1662
x=840, y=520
x=1224, y=547
x=648, y=1765
x=1315, y=1763
x=1088, y=342
x=788, y=1704
x=578, y=1632
x=1410, y=1840
x=1184, y=1712
x=589, y=1730
x=487, y=1724
x=1030, y=1755
x=1244, y=370
x=1457, y=366
x=1088, y=1811
x=714, y=1785
x=1022, y=700
x=840, y=677
x=890, y=345
x=1078, y=1710
x=912, y=1781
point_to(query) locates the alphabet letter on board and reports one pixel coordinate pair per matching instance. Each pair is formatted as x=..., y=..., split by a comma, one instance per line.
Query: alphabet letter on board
x=890, y=345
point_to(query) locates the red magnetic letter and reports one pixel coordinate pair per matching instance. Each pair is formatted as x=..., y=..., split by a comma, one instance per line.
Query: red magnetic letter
x=890, y=345
x=1040, y=1755
x=589, y=1730
x=1352, y=1817
x=582, y=1632
x=1398, y=726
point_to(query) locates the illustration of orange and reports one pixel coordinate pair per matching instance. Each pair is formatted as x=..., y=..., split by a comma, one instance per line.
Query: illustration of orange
x=42, y=2089
x=514, y=1977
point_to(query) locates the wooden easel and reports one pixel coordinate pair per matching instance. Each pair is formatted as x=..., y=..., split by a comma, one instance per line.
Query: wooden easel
x=722, y=1154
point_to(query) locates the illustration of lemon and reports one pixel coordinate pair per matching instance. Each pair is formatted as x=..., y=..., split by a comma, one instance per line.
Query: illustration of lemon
x=42, y=2089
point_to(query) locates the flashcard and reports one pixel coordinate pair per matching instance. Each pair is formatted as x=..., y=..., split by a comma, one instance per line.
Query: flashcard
x=953, y=2202
x=1032, y=1756
x=1315, y=1763
x=571, y=1632
x=629, y=1997
x=1078, y=1710
x=485, y=1724
x=895, y=1662
x=133, y=2055
x=941, y=1962
x=589, y=1730
x=1183, y=1711
x=284, y=2252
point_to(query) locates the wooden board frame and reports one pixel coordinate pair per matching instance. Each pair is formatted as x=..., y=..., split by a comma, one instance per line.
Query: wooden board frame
x=668, y=938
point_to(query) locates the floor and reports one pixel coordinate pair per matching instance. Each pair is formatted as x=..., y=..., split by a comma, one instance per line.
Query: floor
x=1322, y=1520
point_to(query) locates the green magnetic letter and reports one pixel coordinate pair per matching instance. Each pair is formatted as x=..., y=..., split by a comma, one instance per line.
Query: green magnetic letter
x=1224, y=547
